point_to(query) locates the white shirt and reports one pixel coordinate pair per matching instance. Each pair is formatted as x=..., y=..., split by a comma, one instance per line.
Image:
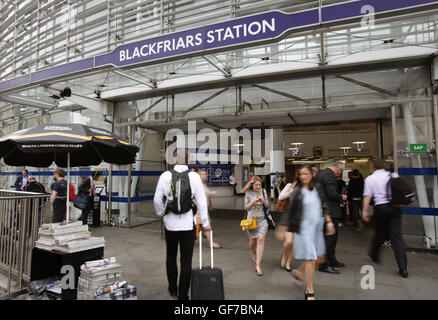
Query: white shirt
x=185, y=221
x=232, y=180
x=376, y=186
x=286, y=192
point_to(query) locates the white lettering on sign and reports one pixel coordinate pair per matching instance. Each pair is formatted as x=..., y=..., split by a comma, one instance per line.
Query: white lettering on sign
x=197, y=40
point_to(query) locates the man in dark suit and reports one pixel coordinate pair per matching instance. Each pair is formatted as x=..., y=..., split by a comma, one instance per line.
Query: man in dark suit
x=327, y=180
x=21, y=181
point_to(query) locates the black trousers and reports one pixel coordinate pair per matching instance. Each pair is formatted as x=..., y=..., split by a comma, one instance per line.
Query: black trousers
x=58, y=215
x=86, y=211
x=388, y=220
x=186, y=241
x=357, y=208
x=330, y=245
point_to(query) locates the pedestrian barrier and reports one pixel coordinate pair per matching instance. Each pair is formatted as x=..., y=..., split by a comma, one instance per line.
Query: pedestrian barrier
x=21, y=214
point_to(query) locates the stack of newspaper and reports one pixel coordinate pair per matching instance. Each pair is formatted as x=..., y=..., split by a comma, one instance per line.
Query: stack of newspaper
x=67, y=237
x=101, y=280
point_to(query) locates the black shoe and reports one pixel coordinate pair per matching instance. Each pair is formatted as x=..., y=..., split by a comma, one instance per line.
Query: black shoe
x=403, y=273
x=373, y=257
x=338, y=264
x=329, y=269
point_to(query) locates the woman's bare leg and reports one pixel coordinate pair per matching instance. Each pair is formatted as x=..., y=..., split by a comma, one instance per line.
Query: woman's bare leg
x=260, y=250
x=310, y=273
x=252, y=247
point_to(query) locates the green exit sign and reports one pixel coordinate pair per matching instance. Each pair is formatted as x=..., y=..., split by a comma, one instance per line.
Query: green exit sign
x=418, y=147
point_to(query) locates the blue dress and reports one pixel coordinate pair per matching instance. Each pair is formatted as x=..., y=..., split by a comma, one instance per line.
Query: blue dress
x=309, y=242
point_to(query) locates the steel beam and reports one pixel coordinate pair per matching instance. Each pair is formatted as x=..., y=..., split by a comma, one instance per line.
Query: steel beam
x=226, y=72
x=281, y=93
x=133, y=78
x=204, y=101
x=149, y=108
x=27, y=102
x=367, y=85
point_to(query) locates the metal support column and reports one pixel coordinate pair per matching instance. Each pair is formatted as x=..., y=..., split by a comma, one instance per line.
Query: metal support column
x=394, y=138
x=131, y=139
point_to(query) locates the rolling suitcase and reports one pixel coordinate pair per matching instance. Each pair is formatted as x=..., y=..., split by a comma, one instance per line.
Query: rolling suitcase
x=207, y=282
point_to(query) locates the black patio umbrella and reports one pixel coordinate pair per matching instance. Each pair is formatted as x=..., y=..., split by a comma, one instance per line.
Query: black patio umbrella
x=41, y=146
x=68, y=145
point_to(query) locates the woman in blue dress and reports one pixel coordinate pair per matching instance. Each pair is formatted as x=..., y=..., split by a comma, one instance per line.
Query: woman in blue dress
x=305, y=217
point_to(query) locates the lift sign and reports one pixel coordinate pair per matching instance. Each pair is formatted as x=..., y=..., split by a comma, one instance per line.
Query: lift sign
x=418, y=147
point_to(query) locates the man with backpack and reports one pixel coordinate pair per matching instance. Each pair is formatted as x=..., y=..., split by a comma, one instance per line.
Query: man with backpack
x=179, y=194
x=389, y=194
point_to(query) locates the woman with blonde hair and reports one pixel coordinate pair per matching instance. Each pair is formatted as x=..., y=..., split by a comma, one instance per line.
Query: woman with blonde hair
x=256, y=200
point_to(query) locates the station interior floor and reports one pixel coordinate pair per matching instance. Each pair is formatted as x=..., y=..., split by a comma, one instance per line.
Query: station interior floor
x=141, y=251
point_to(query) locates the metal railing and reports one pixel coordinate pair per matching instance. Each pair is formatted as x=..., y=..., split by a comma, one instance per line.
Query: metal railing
x=21, y=214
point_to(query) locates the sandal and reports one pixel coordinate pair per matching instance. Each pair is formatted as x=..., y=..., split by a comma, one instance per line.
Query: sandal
x=259, y=274
x=308, y=295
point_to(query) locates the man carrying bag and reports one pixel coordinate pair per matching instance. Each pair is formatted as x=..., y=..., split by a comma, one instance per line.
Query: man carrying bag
x=178, y=192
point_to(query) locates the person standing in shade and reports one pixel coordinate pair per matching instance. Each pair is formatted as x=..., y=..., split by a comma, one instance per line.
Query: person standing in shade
x=180, y=228
x=342, y=189
x=87, y=191
x=326, y=178
x=305, y=216
x=58, y=198
x=233, y=183
x=288, y=249
x=387, y=219
x=274, y=184
x=354, y=194
x=204, y=177
x=22, y=180
x=255, y=201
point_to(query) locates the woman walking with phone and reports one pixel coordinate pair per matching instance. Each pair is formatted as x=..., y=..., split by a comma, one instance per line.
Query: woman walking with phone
x=256, y=200
x=305, y=217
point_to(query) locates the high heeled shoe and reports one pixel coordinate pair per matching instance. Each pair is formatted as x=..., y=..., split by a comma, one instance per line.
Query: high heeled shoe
x=308, y=295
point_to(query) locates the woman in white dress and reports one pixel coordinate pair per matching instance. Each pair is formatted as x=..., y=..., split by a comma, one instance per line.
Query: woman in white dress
x=255, y=199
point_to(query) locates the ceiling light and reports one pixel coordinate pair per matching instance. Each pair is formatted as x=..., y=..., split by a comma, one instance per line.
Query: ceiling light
x=359, y=145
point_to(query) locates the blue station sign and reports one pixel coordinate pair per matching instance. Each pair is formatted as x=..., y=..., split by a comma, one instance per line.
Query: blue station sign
x=241, y=32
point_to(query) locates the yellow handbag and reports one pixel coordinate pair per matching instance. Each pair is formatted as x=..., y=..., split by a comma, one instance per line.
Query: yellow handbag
x=249, y=224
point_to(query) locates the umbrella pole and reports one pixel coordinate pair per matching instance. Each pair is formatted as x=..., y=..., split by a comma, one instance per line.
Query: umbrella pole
x=68, y=187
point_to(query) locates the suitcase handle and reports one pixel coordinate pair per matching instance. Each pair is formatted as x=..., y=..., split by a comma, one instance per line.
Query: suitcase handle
x=211, y=250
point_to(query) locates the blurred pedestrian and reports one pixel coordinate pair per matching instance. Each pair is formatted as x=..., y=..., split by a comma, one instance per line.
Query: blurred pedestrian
x=326, y=178
x=22, y=180
x=306, y=216
x=354, y=195
x=256, y=200
x=203, y=174
x=87, y=191
x=233, y=183
x=281, y=205
x=58, y=197
x=387, y=218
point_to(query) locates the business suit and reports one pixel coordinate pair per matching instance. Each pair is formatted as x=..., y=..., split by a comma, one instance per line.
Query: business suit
x=327, y=180
x=19, y=183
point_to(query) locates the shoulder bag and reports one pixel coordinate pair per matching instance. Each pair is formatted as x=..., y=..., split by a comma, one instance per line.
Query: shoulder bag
x=250, y=224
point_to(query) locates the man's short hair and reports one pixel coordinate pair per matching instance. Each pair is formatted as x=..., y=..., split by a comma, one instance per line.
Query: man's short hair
x=338, y=165
x=31, y=179
x=181, y=156
x=379, y=163
x=25, y=170
x=60, y=172
x=355, y=173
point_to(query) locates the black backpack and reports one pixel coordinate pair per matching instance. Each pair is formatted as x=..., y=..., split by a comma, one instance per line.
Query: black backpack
x=402, y=194
x=179, y=200
x=35, y=187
